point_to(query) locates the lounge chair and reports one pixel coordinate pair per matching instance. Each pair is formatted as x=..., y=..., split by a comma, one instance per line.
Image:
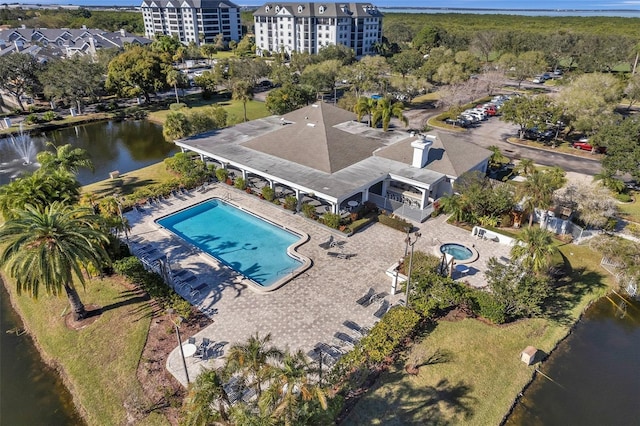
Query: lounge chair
x=366, y=297
x=327, y=243
x=351, y=325
x=191, y=341
x=384, y=307
x=377, y=298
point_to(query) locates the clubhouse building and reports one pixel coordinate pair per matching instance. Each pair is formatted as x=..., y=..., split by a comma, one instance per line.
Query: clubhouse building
x=321, y=152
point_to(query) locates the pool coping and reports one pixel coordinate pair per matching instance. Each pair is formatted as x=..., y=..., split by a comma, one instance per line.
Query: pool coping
x=306, y=262
x=474, y=253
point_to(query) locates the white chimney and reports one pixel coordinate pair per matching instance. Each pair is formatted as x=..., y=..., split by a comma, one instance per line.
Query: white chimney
x=421, y=148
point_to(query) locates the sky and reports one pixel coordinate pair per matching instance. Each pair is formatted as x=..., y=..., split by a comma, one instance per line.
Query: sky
x=468, y=4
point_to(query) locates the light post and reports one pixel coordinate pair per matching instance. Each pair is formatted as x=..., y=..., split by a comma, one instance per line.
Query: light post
x=318, y=350
x=177, y=326
x=406, y=240
x=411, y=243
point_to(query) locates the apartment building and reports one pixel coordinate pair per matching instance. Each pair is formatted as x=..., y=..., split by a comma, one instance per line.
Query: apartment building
x=198, y=21
x=308, y=27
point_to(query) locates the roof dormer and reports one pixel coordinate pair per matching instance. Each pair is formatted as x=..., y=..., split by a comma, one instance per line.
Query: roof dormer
x=321, y=9
x=300, y=8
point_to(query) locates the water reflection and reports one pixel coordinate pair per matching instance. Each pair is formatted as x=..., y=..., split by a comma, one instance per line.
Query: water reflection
x=30, y=392
x=112, y=145
x=595, y=372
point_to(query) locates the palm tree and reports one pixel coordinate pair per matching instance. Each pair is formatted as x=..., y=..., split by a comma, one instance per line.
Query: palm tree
x=291, y=385
x=526, y=166
x=242, y=91
x=39, y=189
x=174, y=77
x=49, y=247
x=537, y=191
x=497, y=157
x=66, y=158
x=207, y=401
x=533, y=249
x=385, y=110
x=363, y=106
x=454, y=205
x=252, y=360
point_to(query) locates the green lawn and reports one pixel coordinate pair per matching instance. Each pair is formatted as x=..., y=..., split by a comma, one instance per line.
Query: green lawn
x=100, y=360
x=234, y=109
x=631, y=211
x=129, y=182
x=478, y=373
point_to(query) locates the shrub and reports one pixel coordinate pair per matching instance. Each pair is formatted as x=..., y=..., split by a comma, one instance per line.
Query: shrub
x=49, y=116
x=32, y=119
x=240, y=183
x=394, y=222
x=177, y=106
x=624, y=197
x=135, y=112
x=488, y=307
x=268, y=193
x=359, y=224
x=222, y=174
x=332, y=220
x=309, y=211
x=290, y=202
x=633, y=229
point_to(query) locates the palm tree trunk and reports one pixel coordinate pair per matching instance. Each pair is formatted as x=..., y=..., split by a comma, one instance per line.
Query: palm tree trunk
x=244, y=106
x=175, y=88
x=76, y=304
x=531, y=219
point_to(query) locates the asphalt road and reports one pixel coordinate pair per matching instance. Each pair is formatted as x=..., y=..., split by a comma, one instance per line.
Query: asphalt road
x=495, y=132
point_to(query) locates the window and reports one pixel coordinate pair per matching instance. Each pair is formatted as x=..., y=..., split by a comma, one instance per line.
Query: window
x=321, y=9
x=300, y=8
x=277, y=9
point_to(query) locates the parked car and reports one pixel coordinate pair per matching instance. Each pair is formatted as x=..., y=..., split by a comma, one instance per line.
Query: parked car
x=459, y=122
x=584, y=145
x=538, y=134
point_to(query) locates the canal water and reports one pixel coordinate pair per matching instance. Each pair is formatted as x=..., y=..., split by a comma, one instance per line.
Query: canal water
x=594, y=375
x=30, y=392
x=112, y=145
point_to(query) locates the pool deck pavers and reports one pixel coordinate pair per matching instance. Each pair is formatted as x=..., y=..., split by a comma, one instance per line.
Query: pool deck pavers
x=312, y=307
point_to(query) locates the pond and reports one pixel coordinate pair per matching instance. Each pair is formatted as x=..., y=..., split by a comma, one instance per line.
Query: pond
x=31, y=393
x=593, y=376
x=112, y=145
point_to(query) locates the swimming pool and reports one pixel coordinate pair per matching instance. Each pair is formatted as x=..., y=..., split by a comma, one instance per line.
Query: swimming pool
x=461, y=253
x=250, y=245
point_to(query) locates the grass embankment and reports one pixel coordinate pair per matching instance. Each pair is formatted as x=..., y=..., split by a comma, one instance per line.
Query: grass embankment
x=479, y=374
x=66, y=121
x=631, y=211
x=98, y=362
x=235, y=110
x=127, y=183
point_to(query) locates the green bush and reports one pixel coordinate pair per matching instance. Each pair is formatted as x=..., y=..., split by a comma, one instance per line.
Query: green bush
x=135, y=112
x=394, y=222
x=268, y=193
x=624, y=197
x=222, y=174
x=32, y=119
x=488, y=307
x=332, y=220
x=290, y=203
x=177, y=106
x=240, y=183
x=49, y=116
x=309, y=211
x=153, y=284
x=360, y=223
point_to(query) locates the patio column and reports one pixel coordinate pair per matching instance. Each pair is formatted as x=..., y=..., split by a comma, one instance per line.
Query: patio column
x=244, y=174
x=365, y=196
x=202, y=157
x=299, y=197
x=385, y=185
x=422, y=198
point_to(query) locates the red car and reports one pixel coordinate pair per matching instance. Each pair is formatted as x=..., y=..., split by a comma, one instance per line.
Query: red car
x=584, y=145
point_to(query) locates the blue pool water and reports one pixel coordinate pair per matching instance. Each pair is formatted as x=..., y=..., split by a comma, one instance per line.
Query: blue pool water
x=251, y=246
x=458, y=251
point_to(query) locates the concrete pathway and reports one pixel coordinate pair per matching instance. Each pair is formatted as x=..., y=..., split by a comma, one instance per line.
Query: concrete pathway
x=311, y=308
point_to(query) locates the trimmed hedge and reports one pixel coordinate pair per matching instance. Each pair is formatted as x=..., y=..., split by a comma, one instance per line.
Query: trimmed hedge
x=394, y=222
x=489, y=308
x=152, y=284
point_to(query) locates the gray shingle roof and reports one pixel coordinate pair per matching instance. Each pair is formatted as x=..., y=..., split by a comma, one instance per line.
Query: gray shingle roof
x=311, y=138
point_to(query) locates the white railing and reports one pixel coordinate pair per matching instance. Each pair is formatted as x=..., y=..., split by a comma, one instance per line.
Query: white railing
x=404, y=209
